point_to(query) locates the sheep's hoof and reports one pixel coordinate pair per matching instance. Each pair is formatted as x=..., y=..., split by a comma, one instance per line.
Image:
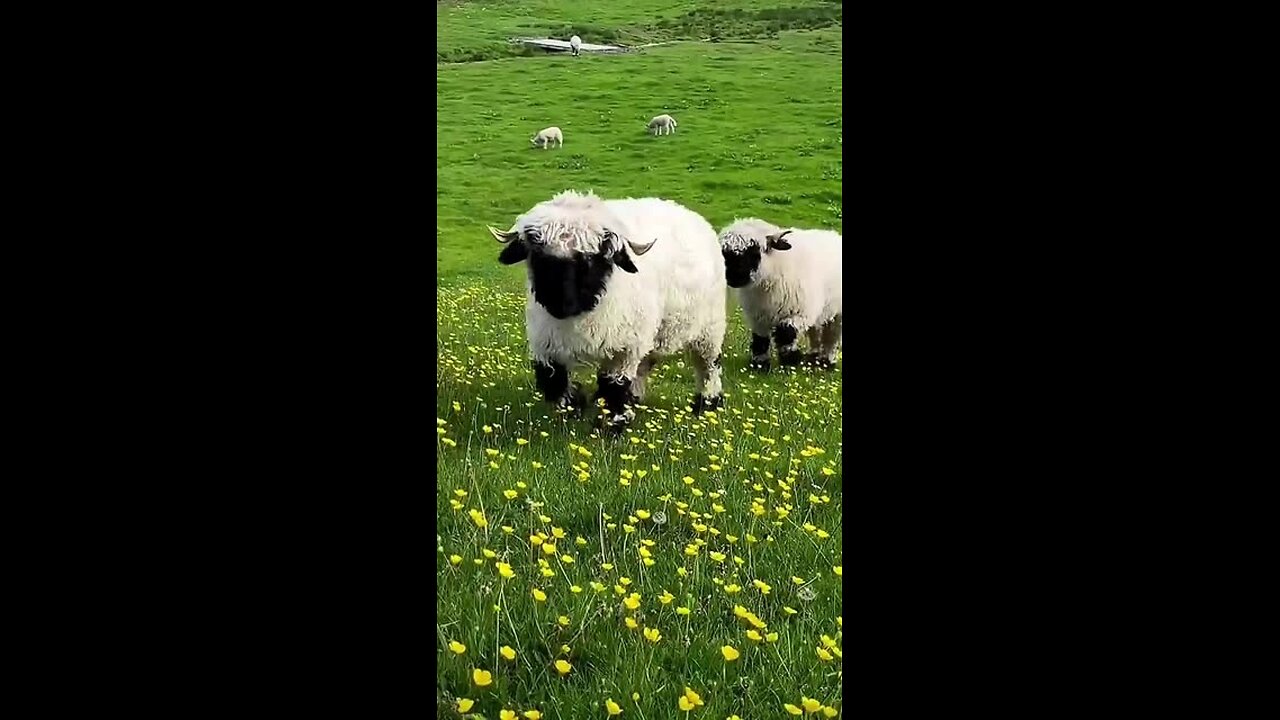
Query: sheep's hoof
x=759, y=365
x=789, y=358
x=615, y=423
x=573, y=400
x=701, y=404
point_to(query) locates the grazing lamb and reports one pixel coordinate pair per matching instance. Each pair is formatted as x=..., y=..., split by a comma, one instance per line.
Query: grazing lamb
x=668, y=297
x=575, y=44
x=663, y=125
x=545, y=137
x=786, y=287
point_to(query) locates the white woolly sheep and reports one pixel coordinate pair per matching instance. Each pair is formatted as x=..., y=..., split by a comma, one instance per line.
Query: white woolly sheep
x=663, y=125
x=575, y=44
x=669, y=297
x=786, y=287
x=546, y=136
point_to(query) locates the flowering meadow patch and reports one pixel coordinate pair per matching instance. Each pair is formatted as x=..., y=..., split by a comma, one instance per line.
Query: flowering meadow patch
x=689, y=567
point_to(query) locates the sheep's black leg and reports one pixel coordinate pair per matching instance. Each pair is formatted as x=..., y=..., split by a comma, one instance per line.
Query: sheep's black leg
x=553, y=382
x=616, y=391
x=710, y=391
x=785, y=335
x=759, y=353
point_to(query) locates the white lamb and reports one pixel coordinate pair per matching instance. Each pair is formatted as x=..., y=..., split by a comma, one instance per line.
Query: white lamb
x=663, y=125
x=669, y=297
x=786, y=287
x=546, y=136
x=575, y=44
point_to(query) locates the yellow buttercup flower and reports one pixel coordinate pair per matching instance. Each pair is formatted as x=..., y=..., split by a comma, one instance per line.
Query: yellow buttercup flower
x=792, y=709
x=666, y=597
x=563, y=667
x=824, y=656
x=481, y=678
x=631, y=623
x=539, y=595
x=464, y=704
x=810, y=705
x=457, y=647
x=652, y=635
x=837, y=570
x=507, y=652
x=753, y=635
x=532, y=714
x=612, y=707
x=507, y=715
x=729, y=653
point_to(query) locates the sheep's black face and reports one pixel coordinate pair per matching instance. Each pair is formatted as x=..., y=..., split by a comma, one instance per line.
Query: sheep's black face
x=740, y=266
x=569, y=286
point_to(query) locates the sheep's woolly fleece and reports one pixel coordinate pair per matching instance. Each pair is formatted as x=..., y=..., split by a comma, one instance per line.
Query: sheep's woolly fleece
x=573, y=222
x=744, y=233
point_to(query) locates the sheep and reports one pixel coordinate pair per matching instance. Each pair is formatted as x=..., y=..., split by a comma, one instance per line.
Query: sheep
x=547, y=136
x=669, y=297
x=575, y=44
x=786, y=287
x=663, y=125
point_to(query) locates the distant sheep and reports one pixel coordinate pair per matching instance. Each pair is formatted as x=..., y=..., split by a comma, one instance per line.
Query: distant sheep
x=581, y=311
x=545, y=137
x=575, y=44
x=786, y=287
x=663, y=125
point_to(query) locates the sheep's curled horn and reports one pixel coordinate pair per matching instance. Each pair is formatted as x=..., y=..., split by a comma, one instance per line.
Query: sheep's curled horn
x=635, y=249
x=502, y=237
x=776, y=241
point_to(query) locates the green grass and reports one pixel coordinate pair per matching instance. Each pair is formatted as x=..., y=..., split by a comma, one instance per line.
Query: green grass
x=760, y=134
x=471, y=31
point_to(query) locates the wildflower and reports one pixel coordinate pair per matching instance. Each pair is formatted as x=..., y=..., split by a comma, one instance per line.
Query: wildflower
x=532, y=714
x=631, y=623
x=481, y=678
x=548, y=548
x=729, y=653
x=455, y=559
x=797, y=580
x=789, y=610
x=505, y=570
x=635, y=697
x=754, y=636
x=507, y=715
x=612, y=707
x=489, y=553
x=566, y=559
x=771, y=637
x=731, y=589
x=810, y=705
x=457, y=647
x=829, y=711
x=563, y=667
x=575, y=589
x=762, y=586
x=539, y=595
x=507, y=652
x=632, y=601
x=792, y=709
x=837, y=570
x=682, y=611
x=564, y=621
x=666, y=597
x=642, y=514
x=511, y=494
x=824, y=656
x=652, y=635
x=477, y=517
x=464, y=704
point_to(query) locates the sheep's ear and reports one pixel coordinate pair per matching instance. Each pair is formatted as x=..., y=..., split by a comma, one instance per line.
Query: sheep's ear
x=623, y=260
x=513, y=253
x=777, y=243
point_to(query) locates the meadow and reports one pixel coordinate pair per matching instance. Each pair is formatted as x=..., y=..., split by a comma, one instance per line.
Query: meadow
x=691, y=567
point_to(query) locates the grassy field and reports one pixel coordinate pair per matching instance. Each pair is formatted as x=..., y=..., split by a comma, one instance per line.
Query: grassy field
x=711, y=532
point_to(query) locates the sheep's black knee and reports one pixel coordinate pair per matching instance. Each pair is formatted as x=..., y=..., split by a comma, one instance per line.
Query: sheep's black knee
x=553, y=383
x=788, y=351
